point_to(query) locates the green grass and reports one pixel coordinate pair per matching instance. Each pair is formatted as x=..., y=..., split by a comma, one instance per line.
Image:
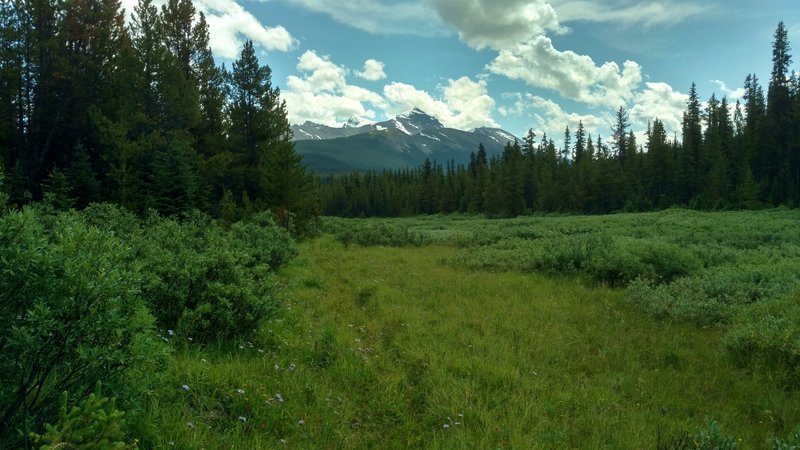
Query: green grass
x=390, y=344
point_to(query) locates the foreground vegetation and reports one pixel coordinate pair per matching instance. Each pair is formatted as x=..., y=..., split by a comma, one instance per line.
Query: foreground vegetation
x=95, y=298
x=676, y=329
x=400, y=334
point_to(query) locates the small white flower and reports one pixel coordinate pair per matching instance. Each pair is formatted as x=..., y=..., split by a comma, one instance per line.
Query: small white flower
x=185, y=387
x=260, y=350
x=190, y=424
x=172, y=443
x=170, y=332
x=203, y=360
x=164, y=338
x=243, y=419
x=241, y=347
x=250, y=344
x=291, y=367
x=458, y=424
x=190, y=339
x=301, y=422
x=460, y=415
x=279, y=397
x=446, y=426
x=240, y=391
x=277, y=367
x=283, y=441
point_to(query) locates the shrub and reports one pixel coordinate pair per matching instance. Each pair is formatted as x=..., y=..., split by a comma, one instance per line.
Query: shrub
x=94, y=424
x=263, y=241
x=714, y=296
x=768, y=333
x=367, y=233
x=70, y=315
x=207, y=283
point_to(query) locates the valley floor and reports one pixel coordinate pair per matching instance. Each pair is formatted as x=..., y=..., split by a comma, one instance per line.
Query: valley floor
x=390, y=348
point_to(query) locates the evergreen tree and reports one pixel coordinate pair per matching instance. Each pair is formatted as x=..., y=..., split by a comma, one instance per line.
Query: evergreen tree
x=779, y=102
x=266, y=166
x=620, y=135
x=691, y=170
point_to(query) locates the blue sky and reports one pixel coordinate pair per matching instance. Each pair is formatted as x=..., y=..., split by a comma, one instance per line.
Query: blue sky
x=515, y=64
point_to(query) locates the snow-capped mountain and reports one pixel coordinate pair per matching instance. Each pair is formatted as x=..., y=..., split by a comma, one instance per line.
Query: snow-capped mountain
x=497, y=135
x=411, y=123
x=404, y=141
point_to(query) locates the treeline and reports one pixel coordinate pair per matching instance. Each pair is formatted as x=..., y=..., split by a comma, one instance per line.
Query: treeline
x=745, y=155
x=95, y=109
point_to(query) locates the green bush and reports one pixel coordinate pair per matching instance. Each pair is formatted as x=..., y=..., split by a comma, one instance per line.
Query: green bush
x=714, y=296
x=94, y=424
x=263, y=241
x=71, y=314
x=207, y=283
x=768, y=333
x=380, y=234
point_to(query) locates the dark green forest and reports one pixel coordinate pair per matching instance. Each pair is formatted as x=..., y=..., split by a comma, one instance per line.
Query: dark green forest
x=96, y=109
x=740, y=156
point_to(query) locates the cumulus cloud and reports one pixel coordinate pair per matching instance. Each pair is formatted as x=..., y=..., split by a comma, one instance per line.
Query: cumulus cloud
x=550, y=118
x=661, y=101
x=573, y=76
x=379, y=16
x=465, y=104
x=498, y=24
x=517, y=107
x=322, y=94
x=373, y=70
x=732, y=94
x=230, y=25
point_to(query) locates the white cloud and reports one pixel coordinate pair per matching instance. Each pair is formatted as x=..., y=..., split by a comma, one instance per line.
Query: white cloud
x=516, y=109
x=322, y=94
x=230, y=25
x=659, y=100
x=733, y=95
x=624, y=12
x=379, y=16
x=373, y=70
x=465, y=104
x=573, y=76
x=550, y=118
x=498, y=24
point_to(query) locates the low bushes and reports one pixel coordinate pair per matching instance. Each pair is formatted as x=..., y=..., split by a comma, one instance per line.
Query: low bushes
x=208, y=283
x=71, y=314
x=768, y=334
x=600, y=257
x=82, y=295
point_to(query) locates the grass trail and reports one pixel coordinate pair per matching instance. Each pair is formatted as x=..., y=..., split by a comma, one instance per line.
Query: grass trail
x=529, y=361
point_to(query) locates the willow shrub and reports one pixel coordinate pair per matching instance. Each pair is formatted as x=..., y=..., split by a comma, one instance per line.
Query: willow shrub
x=71, y=314
x=208, y=283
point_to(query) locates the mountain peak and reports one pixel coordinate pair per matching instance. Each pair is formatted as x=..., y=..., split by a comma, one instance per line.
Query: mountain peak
x=352, y=122
x=414, y=122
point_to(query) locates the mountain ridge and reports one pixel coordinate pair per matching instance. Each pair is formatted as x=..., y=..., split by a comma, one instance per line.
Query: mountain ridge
x=403, y=141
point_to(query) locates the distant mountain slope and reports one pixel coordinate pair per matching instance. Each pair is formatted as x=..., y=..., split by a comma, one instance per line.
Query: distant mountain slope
x=405, y=141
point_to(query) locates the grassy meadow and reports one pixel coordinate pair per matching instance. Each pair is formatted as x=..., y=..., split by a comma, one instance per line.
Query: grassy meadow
x=676, y=329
